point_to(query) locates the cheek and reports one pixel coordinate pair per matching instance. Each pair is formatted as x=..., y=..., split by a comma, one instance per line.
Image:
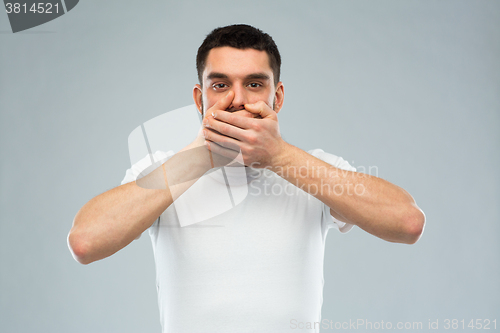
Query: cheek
x=271, y=98
x=207, y=101
x=272, y=102
x=266, y=97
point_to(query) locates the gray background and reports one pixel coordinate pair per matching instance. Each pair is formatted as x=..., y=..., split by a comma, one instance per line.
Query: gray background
x=411, y=87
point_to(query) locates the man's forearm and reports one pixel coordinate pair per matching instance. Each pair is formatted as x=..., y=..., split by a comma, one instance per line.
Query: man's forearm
x=113, y=219
x=375, y=205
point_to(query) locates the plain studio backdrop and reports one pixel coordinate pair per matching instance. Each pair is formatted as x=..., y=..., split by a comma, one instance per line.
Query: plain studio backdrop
x=408, y=88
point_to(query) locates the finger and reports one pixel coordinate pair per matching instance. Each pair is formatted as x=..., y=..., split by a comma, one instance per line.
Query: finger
x=220, y=139
x=261, y=108
x=224, y=102
x=226, y=129
x=223, y=156
x=205, y=128
x=229, y=123
x=246, y=114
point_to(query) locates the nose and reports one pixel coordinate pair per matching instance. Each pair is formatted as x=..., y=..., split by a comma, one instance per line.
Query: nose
x=240, y=98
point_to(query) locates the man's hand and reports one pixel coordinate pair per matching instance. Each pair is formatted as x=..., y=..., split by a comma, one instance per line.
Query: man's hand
x=259, y=140
x=217, y=160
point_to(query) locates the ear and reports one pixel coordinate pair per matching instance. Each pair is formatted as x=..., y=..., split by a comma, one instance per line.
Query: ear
x=197, y=96
x=279, y=97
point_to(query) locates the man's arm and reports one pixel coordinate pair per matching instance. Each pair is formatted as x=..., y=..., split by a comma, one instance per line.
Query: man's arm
x=378, y=207
x=112, y=220
x=373, y=204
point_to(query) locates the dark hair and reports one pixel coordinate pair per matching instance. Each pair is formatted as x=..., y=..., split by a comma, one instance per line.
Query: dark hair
x=240, y=36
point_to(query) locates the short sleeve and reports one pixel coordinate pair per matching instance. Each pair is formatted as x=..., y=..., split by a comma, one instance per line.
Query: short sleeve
x=340, y=163
x=138, y=168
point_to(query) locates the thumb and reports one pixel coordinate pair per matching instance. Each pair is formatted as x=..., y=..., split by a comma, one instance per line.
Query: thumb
x=224, y=102
x=260, y=108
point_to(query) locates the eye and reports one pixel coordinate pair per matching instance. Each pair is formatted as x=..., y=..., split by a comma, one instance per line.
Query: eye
x=218, y=86
x=255, y=85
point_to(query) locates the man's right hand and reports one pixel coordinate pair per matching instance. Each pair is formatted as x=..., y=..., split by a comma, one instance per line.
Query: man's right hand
x=223, y=105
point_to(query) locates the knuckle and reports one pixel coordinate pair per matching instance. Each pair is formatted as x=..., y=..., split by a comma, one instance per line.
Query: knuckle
x=224, y=128
x=245, y=114
x=220, y=138
x=250, y=151
x=256, y=126
x=252, y=140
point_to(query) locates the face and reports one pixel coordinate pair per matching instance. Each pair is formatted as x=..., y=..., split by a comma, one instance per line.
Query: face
x=246, y=72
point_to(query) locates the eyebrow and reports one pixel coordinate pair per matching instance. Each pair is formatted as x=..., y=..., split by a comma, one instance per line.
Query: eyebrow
x=215, y=75
x=258, y=76
x=254, y=76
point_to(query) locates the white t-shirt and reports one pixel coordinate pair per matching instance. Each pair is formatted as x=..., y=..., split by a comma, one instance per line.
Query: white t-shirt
x=257, y=267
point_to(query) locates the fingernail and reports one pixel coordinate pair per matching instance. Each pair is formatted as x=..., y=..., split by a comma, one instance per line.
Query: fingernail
x=213, y=114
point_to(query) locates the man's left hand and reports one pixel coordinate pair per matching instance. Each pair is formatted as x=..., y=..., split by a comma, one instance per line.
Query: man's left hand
x=259, y=140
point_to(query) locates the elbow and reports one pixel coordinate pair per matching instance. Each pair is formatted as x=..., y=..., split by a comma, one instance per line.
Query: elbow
x=414, y=225
x=79, y=248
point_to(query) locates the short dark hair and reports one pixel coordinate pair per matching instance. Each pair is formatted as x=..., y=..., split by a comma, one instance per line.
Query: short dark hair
x=240, y=36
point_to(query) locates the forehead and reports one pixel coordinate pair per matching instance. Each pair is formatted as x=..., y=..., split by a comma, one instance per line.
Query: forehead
x=236, y=62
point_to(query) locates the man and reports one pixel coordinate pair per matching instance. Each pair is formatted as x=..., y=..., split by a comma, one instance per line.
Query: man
x=263, y=270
